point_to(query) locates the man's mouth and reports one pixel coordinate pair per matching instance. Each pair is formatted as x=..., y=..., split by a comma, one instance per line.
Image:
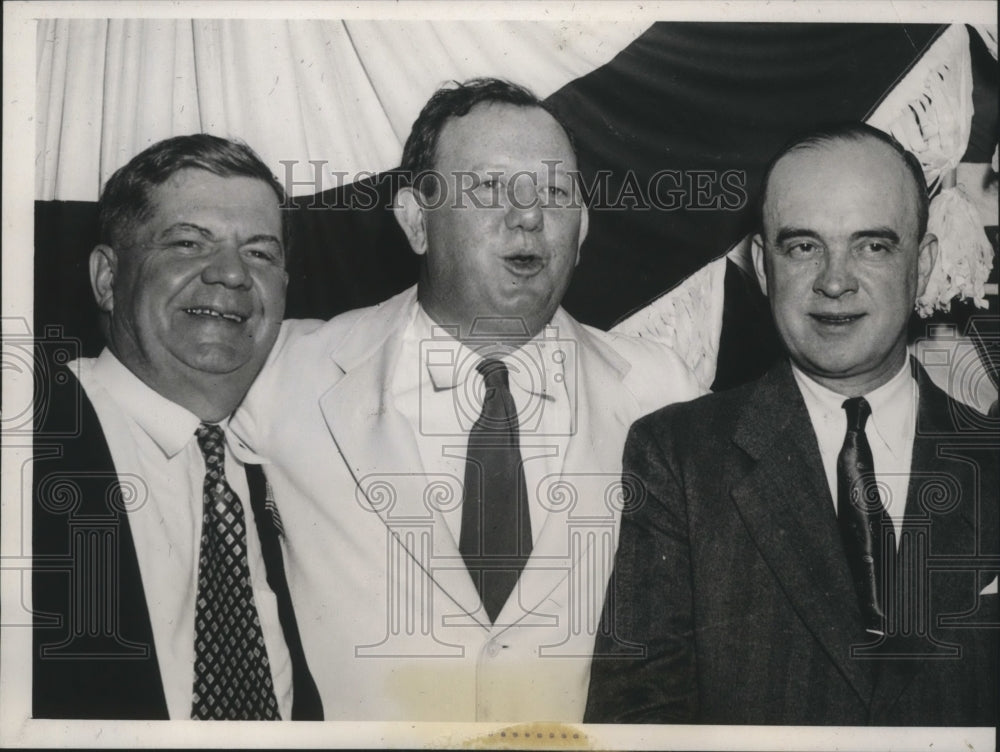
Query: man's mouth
x=837, y=319
x=236, y=318
x=524, y=264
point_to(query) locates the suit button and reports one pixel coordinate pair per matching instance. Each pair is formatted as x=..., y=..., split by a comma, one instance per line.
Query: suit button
x=492, y=649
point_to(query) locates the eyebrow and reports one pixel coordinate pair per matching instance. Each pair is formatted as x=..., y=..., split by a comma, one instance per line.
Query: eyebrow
x=884, y=233
x=203, y=231
x=505, y=166
x=262, y=239
x=786, y=233
x=208, y=234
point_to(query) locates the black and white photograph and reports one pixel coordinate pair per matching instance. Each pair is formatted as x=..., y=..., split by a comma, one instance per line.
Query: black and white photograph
x=500, y=375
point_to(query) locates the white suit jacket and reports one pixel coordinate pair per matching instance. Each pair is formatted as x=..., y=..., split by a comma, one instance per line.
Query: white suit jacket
x=391, y=622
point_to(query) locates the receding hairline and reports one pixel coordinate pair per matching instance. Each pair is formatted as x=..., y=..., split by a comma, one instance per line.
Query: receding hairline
x=499, y=104
x=830, y=143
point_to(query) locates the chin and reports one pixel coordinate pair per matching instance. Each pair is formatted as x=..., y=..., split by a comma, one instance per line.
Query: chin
x=531, y=304
x=218, y=367
x=218, y=359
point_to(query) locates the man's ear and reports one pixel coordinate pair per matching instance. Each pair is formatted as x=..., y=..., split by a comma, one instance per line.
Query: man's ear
x=103, y=266
x=584, y=226
x=926, y=258
x=409, y=213
x=757, y=253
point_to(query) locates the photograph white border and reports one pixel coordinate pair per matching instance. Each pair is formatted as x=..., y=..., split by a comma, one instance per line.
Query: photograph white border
x=16, y=730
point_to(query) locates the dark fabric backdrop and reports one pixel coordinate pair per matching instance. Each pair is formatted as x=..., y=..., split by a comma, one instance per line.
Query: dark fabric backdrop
x=697, y=98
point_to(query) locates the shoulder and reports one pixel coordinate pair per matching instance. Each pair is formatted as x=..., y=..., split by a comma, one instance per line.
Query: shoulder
x=305, y=362
x=301, y=355
x=70, y=438
x=651, y=370
x=709, y=419
x=360, y=327
x=954, y=440
x=299, y=336
x=635, y=349
x=945, y=421
x=938, y=411
x=62, y=404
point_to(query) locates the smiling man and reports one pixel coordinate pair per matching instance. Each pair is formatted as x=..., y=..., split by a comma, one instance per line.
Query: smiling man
x=818, y=547
x=449, y=461
x=185, y=613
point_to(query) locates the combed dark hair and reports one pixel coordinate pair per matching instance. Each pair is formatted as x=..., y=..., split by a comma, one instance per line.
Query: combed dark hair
x=852, y=131
x=455, y=101
x=125, y=200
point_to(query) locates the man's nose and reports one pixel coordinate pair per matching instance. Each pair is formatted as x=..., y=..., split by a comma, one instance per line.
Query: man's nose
x=836, y=274
x=227, y=267
x=524, y=209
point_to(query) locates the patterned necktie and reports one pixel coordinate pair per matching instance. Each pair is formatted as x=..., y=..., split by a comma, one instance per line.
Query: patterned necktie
x=862, y=519
x=496, y=528
x=232, y=677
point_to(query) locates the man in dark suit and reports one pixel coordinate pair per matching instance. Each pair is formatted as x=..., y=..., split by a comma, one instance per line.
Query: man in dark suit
x=821, y=546
x=156, y=592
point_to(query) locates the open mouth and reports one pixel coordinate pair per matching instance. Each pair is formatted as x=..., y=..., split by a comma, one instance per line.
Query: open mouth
x=524, y=264
x=236, y=318
x=837, y=319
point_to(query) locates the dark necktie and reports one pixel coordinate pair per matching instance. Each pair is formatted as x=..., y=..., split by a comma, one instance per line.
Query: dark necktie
x=232, y=676
x=862, y=518
x=496, y=527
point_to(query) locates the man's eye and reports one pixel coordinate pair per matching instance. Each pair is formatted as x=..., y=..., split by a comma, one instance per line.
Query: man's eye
x=874, y=248
x=802, y=250
x=186, y=244
x=262, y=254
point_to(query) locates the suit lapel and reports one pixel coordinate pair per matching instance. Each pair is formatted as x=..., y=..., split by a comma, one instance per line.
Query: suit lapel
x=77, y=678
x=930, y=527
x=786, y=506
x=381, y=452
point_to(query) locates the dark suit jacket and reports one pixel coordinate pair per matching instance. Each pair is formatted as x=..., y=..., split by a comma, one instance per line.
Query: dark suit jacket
x=732, y=600
x=93, y=650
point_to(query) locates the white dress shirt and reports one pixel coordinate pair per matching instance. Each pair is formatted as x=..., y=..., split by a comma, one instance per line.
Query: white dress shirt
x=440, y=391
x=153, y=445
x=890, y=431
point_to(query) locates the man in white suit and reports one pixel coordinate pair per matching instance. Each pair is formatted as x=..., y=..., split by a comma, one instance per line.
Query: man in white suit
x=449, y=461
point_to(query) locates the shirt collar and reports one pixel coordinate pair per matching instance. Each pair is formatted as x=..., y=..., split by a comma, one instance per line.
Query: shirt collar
x=169, y=425
x=894, y=407
x=893, y=404
x=450, y=362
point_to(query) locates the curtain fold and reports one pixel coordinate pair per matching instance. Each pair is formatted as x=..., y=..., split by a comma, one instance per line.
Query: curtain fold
x=701, y=105
x=343, y=93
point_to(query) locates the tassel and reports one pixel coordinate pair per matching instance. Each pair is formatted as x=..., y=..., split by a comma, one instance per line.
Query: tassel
x=965, y=255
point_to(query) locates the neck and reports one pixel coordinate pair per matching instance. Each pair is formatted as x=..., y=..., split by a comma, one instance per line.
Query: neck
x=498, y=332
x=858, y=385
x=211, y=397
x=210, y=408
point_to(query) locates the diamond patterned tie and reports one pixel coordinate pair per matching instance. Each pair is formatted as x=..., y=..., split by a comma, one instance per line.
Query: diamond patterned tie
x=232, y=677
x=495, y=541
x=862, y=518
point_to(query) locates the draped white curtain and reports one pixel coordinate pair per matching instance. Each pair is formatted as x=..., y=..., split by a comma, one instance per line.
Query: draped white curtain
x=341, y=91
